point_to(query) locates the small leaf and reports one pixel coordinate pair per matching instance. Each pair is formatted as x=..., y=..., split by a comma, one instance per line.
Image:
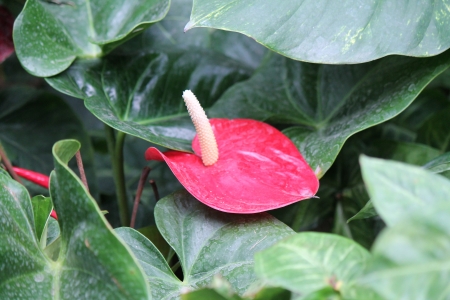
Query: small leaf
x=332, y=31
x=207, y=242
x=42, y=206
x=259, y=169
x=368, y=211
x=328, y=104
x=398, y=190
x=440, y=164
x=50, y=36
x=310, y=262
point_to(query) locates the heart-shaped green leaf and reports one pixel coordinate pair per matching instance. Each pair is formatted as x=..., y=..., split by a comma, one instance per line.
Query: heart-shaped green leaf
x=140, y=93
x=31, y=122
x=208, y=242
x=92, y=262
x=398, y=190
x=50, y=35
x=310, y=262
x=410, y=259
x=333, y=31
x=328, y=103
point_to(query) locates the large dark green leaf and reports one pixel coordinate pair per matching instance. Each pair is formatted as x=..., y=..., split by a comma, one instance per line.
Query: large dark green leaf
x=92, y=262
x=410, y=259
x=310, y=262
x=32, y=121
x=328, y=103
x=398, y=190
x=49, y=36
x=206, y=241
x=140, y=93
x=333, y=31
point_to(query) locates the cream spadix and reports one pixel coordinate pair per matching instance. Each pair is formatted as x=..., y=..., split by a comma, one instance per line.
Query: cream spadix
x=207, y=140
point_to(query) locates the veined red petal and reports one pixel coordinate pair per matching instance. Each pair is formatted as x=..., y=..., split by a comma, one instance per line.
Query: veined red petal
x=259, y=169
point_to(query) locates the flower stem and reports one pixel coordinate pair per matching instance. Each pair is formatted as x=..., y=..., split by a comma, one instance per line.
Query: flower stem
x=142, y=180
x=81, y=169
x=115, y=147
x=8, y=165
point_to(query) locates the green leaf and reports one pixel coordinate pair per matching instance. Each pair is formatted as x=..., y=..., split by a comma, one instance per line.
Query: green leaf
x=140, y=93
x=48, y=36
x=310, y=262
x=53, y=231
x=410, y=259
x=440, y=164
x=92, y=262
x=168, y=34
x=410, y=153
x=398, y=190
x=331, y=31
x=31, y=122
x=219, y=289
x=42, y=207
x=207, y=242
x=368, y=211
x=328, y=103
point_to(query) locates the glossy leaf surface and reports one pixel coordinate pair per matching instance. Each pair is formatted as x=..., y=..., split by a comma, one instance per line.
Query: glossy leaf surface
x=333, y=31
x=50, y=36
x=92, y=263
x=140, y=93
x=42, y=206
x=398, y=190
x=328, y=103
x=410, y=259
x=310, y=262
x=259, y=169
x=207, y=242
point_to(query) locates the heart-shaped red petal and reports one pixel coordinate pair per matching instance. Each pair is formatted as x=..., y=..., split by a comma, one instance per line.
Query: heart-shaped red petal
x=259, y=169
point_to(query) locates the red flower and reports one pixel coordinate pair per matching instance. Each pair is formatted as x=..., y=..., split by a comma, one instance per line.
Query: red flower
x=258, y=168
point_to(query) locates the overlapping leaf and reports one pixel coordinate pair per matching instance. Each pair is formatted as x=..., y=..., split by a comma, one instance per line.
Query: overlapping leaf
x=207, y=242
x=49, y=36
x=398, y=190
x=333, y=31
x=92, y=262
x=328, y=103
x=308, y=263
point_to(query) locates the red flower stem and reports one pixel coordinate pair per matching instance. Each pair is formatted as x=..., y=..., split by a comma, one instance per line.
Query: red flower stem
x=81, y=169
x=155, y=189
x=139, y=190
x=35, y=177
x=8, y=165
x=115, y=148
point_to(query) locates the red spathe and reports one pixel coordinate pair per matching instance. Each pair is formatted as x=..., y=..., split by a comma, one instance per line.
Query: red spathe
x=259, y=169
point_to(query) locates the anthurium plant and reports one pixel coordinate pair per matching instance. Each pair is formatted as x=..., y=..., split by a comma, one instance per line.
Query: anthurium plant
x=195, y=149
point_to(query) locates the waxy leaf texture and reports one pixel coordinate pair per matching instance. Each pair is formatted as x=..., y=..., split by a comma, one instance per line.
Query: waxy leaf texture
x=259, y=169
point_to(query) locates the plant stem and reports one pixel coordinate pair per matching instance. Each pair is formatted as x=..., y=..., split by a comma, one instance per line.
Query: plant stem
x=8, y=165
x=142, y=180
x=81, y=169
x=155, y=189
x=115, y=147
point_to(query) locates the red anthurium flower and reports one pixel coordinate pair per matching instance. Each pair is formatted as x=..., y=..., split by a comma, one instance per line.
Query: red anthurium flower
x=38, y=178
x=257, y=169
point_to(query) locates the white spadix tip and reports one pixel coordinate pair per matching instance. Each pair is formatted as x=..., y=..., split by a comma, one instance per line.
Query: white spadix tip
x=207, y=140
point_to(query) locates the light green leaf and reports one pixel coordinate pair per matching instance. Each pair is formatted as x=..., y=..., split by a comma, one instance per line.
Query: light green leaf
x=398, y=190
x=311, y=262
x=410, y=259
x=207, y=242
x=49, y=36
x=440, y=164
x=42, y=207
x=333, y=31
x=368, y=211
x=92, y=262
x=328, y=103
